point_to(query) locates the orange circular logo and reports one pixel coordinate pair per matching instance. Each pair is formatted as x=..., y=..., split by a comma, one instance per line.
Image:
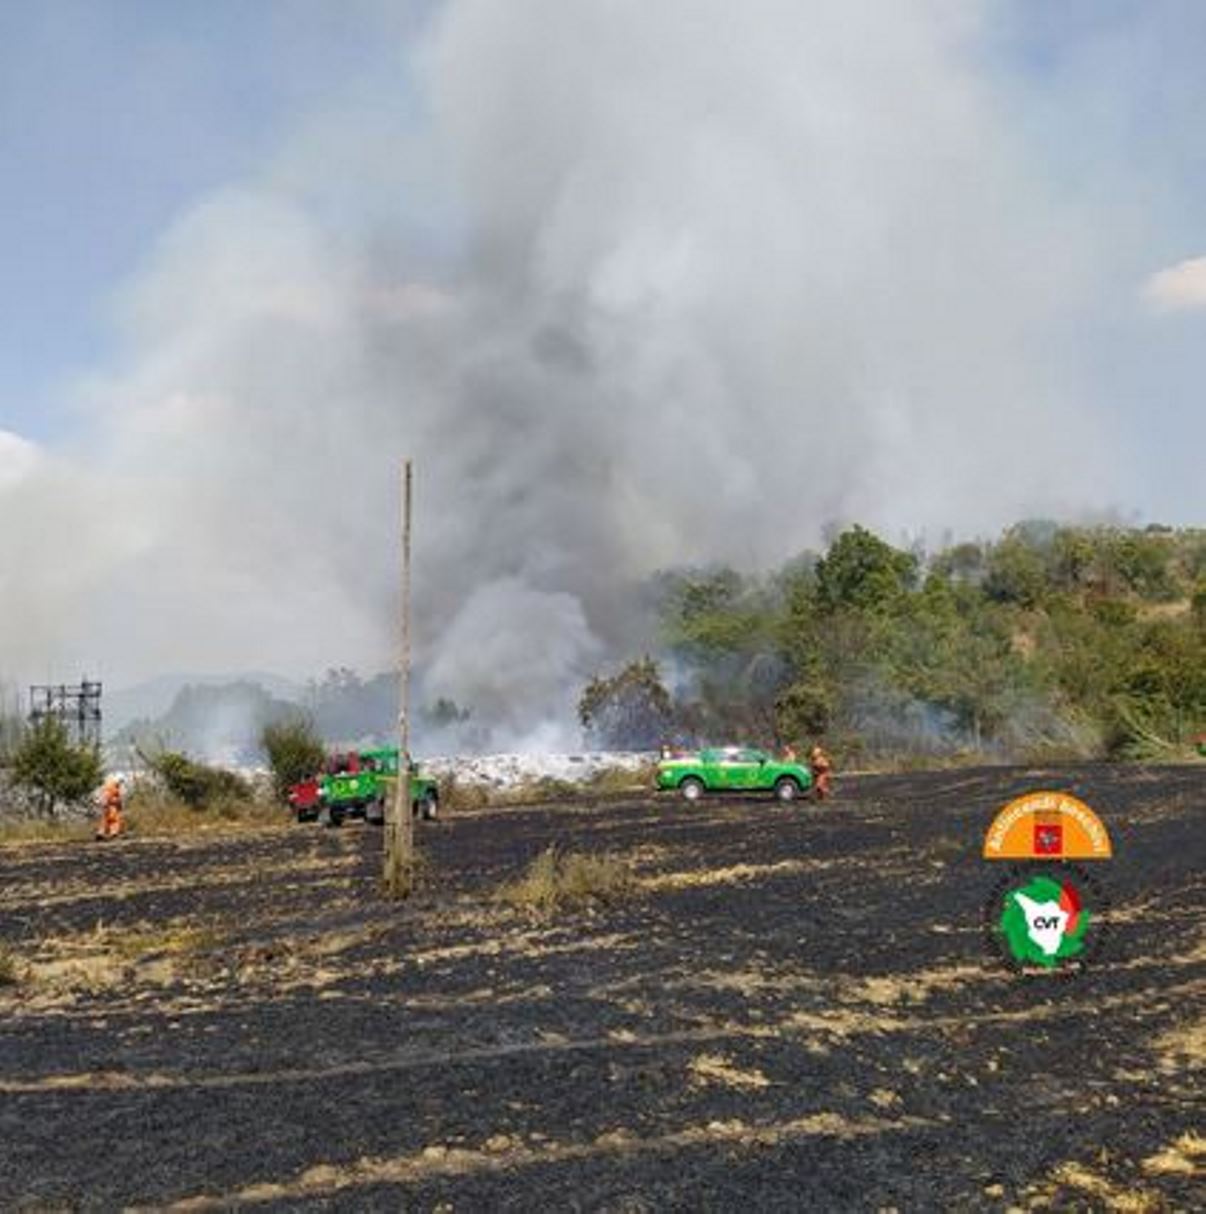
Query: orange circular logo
x=1047, y=826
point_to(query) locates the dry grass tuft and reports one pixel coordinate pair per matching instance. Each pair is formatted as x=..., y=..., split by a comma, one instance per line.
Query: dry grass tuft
x=44, y=830
x=10, y=970
x=624, y=780
x=111, y=958
x=151, y=813
x=1083, y=1181
x=1181, y=1158
x=715, y=1069
x=556, y=880
x=952, y=847
x=172, y=940
x=732, y=875
x=1184, y=1045
x=461, y=794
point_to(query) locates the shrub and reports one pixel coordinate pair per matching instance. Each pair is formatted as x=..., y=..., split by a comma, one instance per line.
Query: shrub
x=294, y=750
x=197, y=784
x=52, y=769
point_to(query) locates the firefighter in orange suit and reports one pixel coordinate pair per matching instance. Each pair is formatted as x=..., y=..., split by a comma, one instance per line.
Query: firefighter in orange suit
x=822, y=772
x=110, y=824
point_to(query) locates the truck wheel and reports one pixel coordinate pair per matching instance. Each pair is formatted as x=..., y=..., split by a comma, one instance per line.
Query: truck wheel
x=691, y=788
x=430, y=808
x=787, y=788
x=332, y=817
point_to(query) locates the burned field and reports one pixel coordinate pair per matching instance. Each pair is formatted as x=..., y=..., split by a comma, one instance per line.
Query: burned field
x=786, y=1007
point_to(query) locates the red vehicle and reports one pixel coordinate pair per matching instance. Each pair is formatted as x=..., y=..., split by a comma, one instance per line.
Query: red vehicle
x=306, y=797
x=305, y=801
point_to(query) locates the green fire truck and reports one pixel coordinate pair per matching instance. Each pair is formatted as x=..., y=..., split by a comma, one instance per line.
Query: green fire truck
x=358, y=784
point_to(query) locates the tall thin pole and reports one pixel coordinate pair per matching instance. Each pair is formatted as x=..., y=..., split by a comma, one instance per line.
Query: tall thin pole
x=400, y=830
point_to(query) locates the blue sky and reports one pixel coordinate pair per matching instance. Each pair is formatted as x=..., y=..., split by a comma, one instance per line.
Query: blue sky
x=115, y=115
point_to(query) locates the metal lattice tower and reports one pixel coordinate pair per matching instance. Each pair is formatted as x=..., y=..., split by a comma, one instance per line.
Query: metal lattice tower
x=77, y=707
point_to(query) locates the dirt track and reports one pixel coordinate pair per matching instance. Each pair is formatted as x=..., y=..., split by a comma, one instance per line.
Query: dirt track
x=797, y=1009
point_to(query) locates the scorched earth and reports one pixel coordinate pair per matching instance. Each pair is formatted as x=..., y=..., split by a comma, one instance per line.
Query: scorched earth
x=792, y=1006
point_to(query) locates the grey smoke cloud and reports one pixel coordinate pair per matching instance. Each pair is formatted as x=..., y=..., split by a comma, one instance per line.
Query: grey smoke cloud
x=712, y=275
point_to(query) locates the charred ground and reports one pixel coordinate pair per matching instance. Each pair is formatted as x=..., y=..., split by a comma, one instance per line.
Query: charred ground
x=793, y=1007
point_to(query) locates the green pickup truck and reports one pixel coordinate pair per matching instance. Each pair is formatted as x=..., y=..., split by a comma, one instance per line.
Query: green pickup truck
x=733, y=769
x=358, y=784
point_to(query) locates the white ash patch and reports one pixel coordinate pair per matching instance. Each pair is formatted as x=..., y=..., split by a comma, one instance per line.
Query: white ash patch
x=513, y=769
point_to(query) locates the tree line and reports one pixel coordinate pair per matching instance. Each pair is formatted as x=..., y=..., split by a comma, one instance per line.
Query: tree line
x=1049, y=642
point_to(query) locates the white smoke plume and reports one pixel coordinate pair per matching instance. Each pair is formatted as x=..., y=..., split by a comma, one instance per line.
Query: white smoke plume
x=648, y=284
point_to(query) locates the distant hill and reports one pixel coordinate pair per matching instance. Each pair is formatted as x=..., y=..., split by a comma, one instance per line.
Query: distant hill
x=152, y=698
x=220, y=722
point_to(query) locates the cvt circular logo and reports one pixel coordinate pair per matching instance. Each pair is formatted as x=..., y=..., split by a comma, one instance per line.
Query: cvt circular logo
x=1045, y=913
x=1044, y=921
x=1048, y=920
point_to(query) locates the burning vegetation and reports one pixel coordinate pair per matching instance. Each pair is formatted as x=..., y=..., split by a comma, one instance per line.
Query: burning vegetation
x=1052, y=641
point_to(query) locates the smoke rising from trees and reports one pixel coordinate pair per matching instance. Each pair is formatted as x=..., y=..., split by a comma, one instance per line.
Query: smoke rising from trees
x=644, y=285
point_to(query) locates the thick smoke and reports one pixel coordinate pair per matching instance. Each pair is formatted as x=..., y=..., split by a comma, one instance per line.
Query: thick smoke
x=697, y=278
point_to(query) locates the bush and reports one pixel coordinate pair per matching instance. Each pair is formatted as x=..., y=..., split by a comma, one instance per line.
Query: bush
x=295, y=752
x=198, y=785
x=52, y=769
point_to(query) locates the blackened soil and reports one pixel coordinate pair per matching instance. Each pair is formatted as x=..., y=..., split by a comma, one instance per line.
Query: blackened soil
x=794, y=1009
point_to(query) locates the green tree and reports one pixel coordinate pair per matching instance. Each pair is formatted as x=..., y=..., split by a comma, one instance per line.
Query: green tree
x=1017, y=571
x=804, y=710
x=708, y=616
x=962, y=563
x=1143, y=561
x=52, y=768
x=1075, y=559
x=860, y=570
x=294, y=751
x=984, y=677
x=631, y=710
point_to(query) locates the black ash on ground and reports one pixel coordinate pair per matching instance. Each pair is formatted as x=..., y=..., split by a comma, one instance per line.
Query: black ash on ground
x=794, y=1006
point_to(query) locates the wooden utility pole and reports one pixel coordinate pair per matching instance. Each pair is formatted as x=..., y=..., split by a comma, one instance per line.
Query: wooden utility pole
x=400, y=827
